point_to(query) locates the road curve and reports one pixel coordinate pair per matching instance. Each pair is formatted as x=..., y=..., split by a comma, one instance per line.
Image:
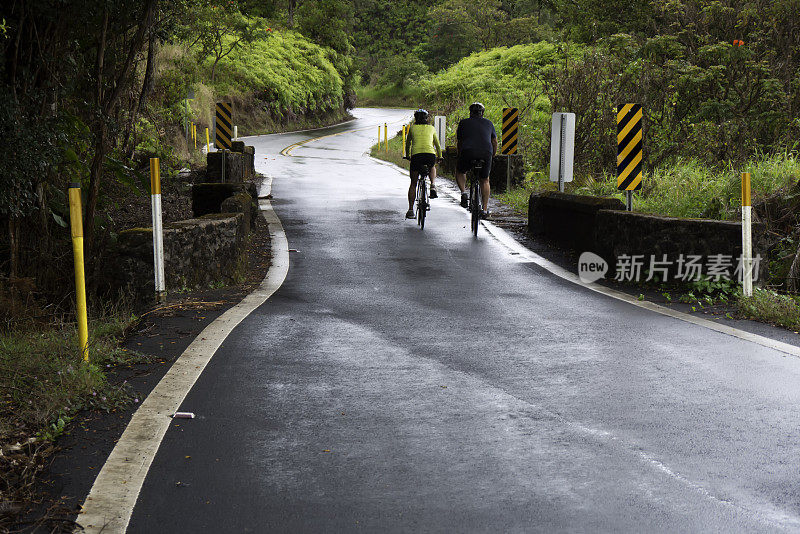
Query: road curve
x=405, y=380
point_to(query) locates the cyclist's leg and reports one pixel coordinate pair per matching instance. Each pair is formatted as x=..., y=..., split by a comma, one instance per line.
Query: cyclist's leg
x=463, y=164
x=461, y=180
x=485, y=190
x=412, y=189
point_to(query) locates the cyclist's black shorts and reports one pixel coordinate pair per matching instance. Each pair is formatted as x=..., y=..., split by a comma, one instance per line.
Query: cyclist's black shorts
x=418, y=160
x=466, y=158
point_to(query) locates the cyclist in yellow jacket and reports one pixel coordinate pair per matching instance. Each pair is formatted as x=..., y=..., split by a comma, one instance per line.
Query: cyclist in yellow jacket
x=422, y=145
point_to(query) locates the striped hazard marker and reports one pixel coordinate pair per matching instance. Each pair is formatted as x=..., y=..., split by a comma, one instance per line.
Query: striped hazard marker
x=510, y=130
x=629, y=147
x=224, y=126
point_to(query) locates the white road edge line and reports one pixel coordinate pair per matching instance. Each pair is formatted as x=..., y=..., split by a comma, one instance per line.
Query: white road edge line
x=109, y=505
x=522, y=254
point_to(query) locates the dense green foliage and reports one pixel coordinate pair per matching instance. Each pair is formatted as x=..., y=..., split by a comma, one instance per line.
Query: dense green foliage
x=91, y=89
x=286, y=71
x=500, y=77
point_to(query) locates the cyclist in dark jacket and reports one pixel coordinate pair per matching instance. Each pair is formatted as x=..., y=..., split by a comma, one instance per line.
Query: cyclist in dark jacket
x=475, y=139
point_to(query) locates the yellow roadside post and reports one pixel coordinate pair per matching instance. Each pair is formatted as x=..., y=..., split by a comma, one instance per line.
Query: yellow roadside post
x=404, y=140
x=194, y=135
x=191, y=133
x=386, y=136
x=208, y=142
x=158, y=232
x=747, y=237
x=76, y=224
x=379, y=136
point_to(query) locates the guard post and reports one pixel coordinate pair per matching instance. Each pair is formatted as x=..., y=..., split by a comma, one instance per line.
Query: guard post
x=747, y=237
x=562, y=148
x=629, y=151
x=76, y=228
x=208, y=143
x=223, y=126
x=386, y=136
x=509, y=143
x=158, y=231
x=440, y=124
x=404, y=141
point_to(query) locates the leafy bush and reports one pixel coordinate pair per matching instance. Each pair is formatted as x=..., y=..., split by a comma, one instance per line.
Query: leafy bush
x=287, y=70
x=769, y=306
x=501, y=77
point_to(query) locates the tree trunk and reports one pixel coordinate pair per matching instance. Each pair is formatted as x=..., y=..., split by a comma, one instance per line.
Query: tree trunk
x=106, y=107
x=290, y=22
x=13, y=272
x=149, y=72
x=13, y=242
x=214, y=68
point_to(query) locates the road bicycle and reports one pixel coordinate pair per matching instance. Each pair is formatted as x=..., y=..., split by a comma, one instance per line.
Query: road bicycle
x=423, y=199
x=475, y=201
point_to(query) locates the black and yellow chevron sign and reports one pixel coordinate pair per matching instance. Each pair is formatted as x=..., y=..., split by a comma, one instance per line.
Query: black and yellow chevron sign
x=629, y=147
x=510, y=130
x=224, y=129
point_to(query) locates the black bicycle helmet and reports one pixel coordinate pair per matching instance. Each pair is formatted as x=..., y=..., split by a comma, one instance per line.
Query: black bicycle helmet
x=421, y=116
x=476, y=108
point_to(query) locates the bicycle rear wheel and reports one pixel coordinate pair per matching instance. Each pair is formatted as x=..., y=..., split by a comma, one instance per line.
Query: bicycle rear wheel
x=422, y=202
x=475, y=206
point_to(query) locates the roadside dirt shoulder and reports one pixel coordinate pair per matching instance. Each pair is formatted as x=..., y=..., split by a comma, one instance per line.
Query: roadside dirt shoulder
x=161, y=336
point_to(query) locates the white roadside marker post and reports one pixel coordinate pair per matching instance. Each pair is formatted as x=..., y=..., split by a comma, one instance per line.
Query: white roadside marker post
x=235, y=133
x=158, y=231
x=747, y=237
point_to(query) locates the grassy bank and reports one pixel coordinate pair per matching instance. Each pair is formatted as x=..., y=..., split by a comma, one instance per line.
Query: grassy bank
x=44, y=384
x=394, y=154
x=389, y=97
x=684, y=189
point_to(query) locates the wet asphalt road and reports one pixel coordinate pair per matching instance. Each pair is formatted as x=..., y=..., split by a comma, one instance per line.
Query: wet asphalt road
x=424, y=381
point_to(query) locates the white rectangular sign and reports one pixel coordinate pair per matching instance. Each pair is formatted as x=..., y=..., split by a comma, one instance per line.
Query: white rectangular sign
x=440, y=124
x=562, y=147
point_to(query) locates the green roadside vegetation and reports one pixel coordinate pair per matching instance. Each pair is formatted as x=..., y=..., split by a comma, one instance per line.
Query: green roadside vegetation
x=719, y=84
x=44, y=386
x=89, y=92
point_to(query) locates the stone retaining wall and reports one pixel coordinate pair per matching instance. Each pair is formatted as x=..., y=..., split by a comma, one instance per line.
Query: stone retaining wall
x=620, y=233
x=570, y=220
x=231, y=166
x=197, y=252
x=602, y=226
